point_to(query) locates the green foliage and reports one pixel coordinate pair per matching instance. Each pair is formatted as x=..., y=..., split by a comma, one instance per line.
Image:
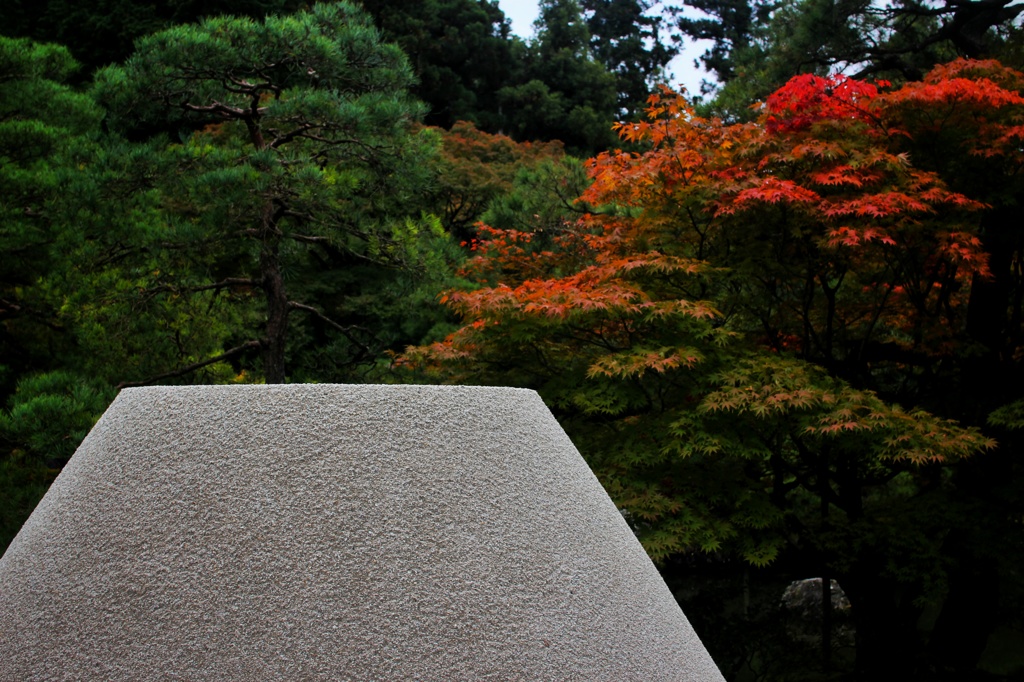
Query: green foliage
x=45, y=129
x=563, y=92
x=461, y=51
x=747, y=331
x=478, y=168
x=627, y=40
x=297, y=159
x=100, y=32
x=45, y=420
x=22, y=485
x=49, y=415
x=818, y=410
x=324, y=70
x=758, y=46
x=542, y=199
x=1009, y=416
x=730, y=24
x=32, y=74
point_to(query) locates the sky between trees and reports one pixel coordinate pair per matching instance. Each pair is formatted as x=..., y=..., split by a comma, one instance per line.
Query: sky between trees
x=522, y=14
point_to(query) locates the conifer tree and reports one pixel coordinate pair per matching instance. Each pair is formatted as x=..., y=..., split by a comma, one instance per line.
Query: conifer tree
x=289, y=149
x=46, y=130
x=563, y=92
x=101, y=32
x=462, y=52
x=627, y=39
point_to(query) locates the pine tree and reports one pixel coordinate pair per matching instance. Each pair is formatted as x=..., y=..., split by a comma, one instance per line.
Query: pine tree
x=296, y=152
x=563, y=91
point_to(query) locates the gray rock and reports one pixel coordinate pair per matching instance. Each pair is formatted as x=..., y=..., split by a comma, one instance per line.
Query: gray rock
x=322, y=532
x=803, y=615
x=804, y=598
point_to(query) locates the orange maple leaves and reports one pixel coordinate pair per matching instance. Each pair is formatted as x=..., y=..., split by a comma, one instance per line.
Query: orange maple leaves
x=697, y=324
x=825, y=164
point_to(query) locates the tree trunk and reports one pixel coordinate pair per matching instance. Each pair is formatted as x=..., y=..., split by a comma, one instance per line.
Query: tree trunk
x=888, y=645
x=273, y=342
x=272, y=345
x=825, y=490
x=968, y=617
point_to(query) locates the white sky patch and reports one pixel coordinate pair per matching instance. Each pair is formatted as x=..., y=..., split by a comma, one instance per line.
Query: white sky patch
x=681, y=70
x=522, y=13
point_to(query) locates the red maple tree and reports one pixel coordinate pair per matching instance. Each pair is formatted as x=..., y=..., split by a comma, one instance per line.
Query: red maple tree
x=747, y=319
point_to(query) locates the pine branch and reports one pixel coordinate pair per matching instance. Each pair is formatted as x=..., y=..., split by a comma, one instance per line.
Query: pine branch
x=237, y=350
x=347, y=331
x=216, y=286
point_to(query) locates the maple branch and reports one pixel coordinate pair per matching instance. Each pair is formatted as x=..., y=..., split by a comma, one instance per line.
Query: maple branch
x=874, y=322
x=823, y=485
x=780, y=469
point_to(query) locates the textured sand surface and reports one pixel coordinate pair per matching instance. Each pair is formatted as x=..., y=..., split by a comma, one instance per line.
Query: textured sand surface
x=324, y=532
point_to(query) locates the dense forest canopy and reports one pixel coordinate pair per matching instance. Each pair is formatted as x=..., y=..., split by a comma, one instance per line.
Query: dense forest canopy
x=783, y=321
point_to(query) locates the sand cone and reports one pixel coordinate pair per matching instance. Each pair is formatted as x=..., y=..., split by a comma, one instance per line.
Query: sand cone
x=328, y=532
